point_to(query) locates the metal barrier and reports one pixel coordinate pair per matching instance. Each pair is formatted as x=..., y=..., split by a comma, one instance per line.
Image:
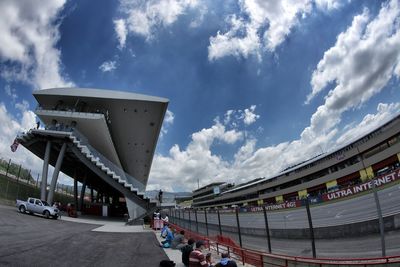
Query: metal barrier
x=256, y=258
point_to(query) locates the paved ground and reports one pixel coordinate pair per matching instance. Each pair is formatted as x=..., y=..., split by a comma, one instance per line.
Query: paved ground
x=27, y=240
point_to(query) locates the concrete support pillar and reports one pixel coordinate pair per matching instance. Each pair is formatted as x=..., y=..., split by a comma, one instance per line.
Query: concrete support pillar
x=76, y=193
x=55, y=173
x=45, y=171
x=91, y=195
x=82, y=196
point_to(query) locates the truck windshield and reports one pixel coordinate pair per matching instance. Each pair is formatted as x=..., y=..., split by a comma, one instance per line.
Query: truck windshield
x=45, y=203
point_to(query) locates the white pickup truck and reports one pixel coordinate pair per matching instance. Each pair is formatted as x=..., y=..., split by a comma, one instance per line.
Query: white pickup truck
x=35, y=205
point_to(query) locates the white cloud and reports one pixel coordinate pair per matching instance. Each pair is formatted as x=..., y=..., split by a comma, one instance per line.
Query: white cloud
x=120, y=29
x=22, y=106
x=29, y=34
x=11, y=92
x=360, y=64
x=249, y=116
x=385, y=112
x=9, y=129
x=144, y=17
x=108, y=66
x=329, y=4
x=181, y=168
x=263, y=25
x=168, y=121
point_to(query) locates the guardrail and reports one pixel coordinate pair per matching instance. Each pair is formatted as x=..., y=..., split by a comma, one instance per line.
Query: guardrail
x=256, y=258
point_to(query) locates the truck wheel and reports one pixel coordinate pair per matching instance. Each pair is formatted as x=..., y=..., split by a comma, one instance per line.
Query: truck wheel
x=46, y=214
x=22, y=209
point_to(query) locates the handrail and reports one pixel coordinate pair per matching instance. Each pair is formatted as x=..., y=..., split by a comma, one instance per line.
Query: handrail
x=100, y=157
x=108, y=163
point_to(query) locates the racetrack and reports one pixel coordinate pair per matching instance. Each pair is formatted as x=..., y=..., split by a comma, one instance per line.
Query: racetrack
x=354, y=210
x=358, y=209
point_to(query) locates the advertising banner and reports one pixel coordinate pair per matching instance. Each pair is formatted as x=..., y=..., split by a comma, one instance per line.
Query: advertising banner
x=384, y=179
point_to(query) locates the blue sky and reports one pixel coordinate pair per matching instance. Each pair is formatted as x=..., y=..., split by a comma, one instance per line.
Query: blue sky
x=254, y=86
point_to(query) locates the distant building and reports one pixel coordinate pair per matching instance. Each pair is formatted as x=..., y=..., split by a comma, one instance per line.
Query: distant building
x=209, y=192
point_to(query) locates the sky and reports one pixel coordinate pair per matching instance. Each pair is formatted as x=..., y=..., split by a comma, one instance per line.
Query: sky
x=254, y=86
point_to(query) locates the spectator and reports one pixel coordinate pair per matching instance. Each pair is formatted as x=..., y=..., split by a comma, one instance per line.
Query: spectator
x=179, y=240
x=186, y=250
x=168, y=238
x=165, y=219
x=196, y=257
x=163, y=232
x=225, y=261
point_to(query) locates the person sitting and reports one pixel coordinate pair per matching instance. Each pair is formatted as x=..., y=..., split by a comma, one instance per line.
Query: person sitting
x=225, y=261
x=186, y=250
x=168, y=238
x=179, y=240
x=196, y=257
x=163, y=232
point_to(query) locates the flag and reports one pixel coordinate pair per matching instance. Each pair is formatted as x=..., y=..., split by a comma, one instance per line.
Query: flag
x=14, y=146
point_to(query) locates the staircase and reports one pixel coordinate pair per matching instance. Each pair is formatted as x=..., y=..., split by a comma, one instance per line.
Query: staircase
x=114, y=176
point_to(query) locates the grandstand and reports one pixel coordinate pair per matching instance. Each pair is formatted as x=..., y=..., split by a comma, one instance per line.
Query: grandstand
x=327, y=176
x=103, y=139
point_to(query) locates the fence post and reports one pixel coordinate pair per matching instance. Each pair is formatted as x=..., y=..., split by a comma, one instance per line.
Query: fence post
x=267, y=229
x=310, y=227
x=238, y=226
x=8, y=181
x=190, y=222
x=219, y=223
x=381, y=223
x=19, y=171
x=8, y=167
x=205, y=216
x=197, y=223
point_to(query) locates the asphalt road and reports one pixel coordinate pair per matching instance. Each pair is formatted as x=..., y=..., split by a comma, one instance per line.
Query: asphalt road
x=359, y=209
x=27, y=240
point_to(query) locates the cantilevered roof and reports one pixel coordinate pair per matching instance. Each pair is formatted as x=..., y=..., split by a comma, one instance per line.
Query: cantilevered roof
x=133, y=120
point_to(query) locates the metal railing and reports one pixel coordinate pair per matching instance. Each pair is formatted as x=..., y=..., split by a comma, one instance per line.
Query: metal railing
x=107, y=163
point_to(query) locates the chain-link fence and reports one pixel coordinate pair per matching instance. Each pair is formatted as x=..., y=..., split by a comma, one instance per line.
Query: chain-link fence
x=17, y=182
